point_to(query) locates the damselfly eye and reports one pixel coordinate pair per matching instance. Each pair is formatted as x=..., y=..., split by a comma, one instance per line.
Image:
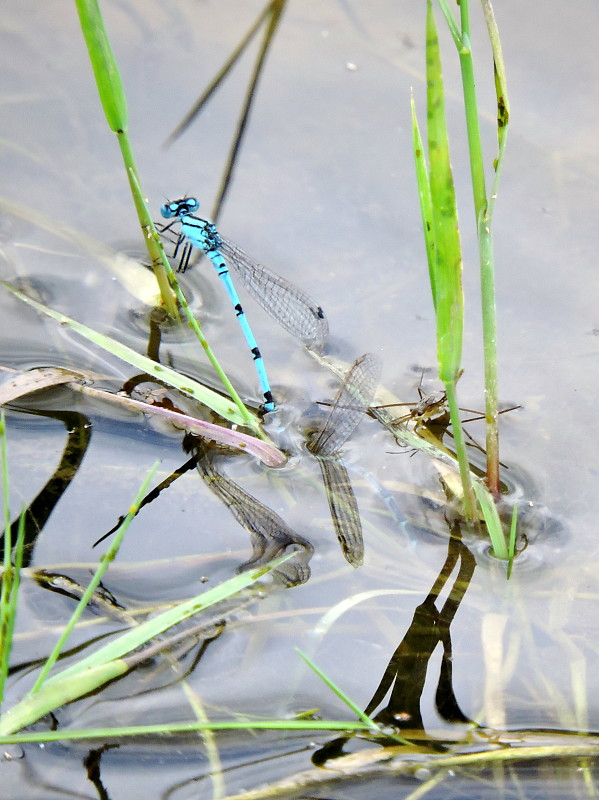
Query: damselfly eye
x=169, y=210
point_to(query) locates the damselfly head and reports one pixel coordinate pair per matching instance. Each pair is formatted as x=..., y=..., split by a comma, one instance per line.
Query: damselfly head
x=176, y=208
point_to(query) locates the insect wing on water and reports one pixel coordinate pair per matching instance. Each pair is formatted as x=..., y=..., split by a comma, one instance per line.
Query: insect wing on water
x=351, y=402
x=347, y=409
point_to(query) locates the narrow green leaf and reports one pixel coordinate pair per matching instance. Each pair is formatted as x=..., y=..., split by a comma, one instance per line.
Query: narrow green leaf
x=493, y=523
x=143, y=633
x=424, y=194
x=340, y=694
x=114, y=103
x=105, y=562
x=460, y=449
x=106, y=71
x=158, y=258
x=503, y=105
x=512, y=542
x=451, y=24
x=50, y=697
x=13, y=579
x=183, y=727
x=343, y=697
x=448, y=257
x=106, y=663
x=216, y=402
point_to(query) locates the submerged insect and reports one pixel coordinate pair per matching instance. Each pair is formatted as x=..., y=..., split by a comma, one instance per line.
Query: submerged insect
x=430, y=415
x=287, y=304
x=347, y=409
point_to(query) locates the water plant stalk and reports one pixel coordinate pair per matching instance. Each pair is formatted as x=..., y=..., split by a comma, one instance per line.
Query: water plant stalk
x=442, y=238
x=114, y=103
x=483, y=206
x=11, y=575
x=5, y=592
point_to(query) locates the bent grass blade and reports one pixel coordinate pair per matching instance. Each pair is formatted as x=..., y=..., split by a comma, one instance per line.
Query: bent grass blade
x=266, y=452
x=492, y=520
x=186, y=385
x=107, y=663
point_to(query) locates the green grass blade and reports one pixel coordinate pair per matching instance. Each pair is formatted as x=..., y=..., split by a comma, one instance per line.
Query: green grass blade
x=503, y=105
x=484, y=205
x=484, y=231
x=372, y=725
x=9, y=615
x=460, y=449
x=489, y=316
x=340, y=694
x=493, y=523
x=106, y=71
x=7, y=573
x=451, y=23
x=114, y=103
x=487, y=270
x=51, y=697
x=364, y=718
x=448, y=255
x=182, y=727
x=152, y=627
x=158, y=258
x=216, y=402
x=105, y=562
x=461, y=39
x=512, y=542
x=106, y=663
x=426, y=204
x=487, y=273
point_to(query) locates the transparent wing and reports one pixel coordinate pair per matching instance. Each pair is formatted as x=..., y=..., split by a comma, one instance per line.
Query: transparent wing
x=270, y=535
x=344, y=510
x=351, y=401
x=286, y=303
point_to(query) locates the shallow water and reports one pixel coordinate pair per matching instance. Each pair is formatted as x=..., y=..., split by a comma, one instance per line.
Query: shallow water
x=323, y=193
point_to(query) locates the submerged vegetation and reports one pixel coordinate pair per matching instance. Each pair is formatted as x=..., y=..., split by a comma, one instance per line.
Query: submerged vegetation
x=216, y=425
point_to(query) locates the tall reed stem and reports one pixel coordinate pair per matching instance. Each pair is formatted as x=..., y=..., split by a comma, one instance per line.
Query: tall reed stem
x=114, y=102
x=483, y=211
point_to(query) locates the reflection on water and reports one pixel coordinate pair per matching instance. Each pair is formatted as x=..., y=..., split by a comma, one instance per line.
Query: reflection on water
x=484, y=679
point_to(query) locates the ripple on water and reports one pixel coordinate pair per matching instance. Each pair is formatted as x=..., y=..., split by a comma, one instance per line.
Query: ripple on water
x=541, y=536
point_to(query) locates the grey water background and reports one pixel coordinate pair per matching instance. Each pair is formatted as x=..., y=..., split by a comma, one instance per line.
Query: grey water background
x=324, y=193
